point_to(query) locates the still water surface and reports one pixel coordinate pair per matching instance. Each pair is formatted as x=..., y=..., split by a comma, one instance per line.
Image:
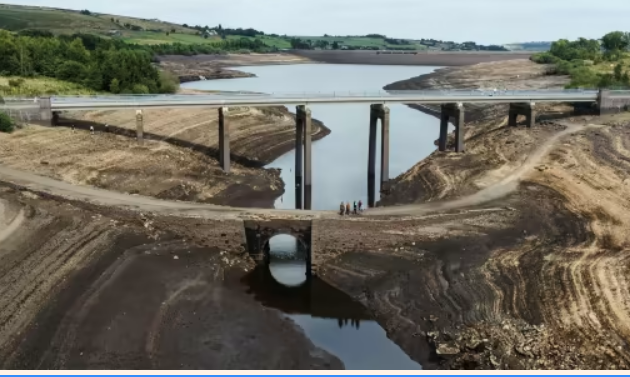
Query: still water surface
x=339, y=174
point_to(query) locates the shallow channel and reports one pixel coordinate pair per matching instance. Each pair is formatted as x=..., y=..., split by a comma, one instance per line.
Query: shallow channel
x=329, y=317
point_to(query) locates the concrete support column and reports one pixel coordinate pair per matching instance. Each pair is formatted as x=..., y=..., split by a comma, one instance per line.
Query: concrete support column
x=55, y=118
x=372, y=158
x=526, y=109
x=512, y=118
x=45, y=111
x=457, y=113
x=224, y=140
x=299, y=162
x=604, y=103
x=139, y=125
x=384, y=115
x=308, y=176
x=459, y=128
x=443, y=131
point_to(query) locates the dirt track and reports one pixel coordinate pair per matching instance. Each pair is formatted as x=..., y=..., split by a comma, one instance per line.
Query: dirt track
x=178, y=159
x=124, y=299
x=534, y=280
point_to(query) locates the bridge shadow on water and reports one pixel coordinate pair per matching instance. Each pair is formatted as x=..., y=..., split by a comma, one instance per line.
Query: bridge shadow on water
x=313, y=297
x=330, y=318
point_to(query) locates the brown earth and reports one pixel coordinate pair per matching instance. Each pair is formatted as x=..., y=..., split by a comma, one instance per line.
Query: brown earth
x=530, y=277
x=426, y=58
x=178, y=159
x=211, y=67
x=536, y=277
x=79, y=290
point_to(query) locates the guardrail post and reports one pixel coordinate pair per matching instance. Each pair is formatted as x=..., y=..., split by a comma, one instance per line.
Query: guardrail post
x=224, y=140
x=139, y=125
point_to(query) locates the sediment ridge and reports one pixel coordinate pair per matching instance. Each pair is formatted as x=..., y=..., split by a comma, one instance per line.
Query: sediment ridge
x=533, y=279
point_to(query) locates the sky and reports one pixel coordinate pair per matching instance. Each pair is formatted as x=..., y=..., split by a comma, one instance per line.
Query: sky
x=482, y=21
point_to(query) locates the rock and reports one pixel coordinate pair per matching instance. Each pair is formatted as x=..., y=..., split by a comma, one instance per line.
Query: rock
x=476, y=345
x=175, y=257
x=433, y=318
x=447, y=349
x=494, y=361
x=44, y=162
x=433, y=334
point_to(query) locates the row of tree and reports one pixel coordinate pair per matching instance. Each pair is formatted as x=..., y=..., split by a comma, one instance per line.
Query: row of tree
x=218, y=47
x=101, y=65
x=575, y=58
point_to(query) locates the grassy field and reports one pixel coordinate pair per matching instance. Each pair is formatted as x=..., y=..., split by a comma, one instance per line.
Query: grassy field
x=63, y=21
x=39, y=86
x=363, y=41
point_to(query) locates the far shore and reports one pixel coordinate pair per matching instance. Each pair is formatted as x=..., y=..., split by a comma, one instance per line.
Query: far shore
x=213, y=67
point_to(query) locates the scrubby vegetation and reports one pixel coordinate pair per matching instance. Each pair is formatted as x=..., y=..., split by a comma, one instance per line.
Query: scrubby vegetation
x=591, y=63
x=95, y=63
x=6, y=123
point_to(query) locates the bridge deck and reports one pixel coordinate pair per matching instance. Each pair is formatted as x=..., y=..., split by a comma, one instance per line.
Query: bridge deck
x=275, y=99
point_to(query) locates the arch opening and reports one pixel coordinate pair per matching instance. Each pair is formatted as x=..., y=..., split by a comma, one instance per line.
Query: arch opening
x=287, y=259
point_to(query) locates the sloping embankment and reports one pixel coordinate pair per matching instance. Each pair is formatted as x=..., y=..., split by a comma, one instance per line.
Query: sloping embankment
x=536, y=279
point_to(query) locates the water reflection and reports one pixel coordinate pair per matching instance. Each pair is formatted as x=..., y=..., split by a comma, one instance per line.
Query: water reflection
x=328, y=316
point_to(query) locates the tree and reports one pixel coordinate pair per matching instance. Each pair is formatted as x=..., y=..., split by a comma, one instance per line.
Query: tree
x=140, y=89
x=615, y=41
x=335, y=45
x=71, y=71
x=6, y=123
x=114, y=86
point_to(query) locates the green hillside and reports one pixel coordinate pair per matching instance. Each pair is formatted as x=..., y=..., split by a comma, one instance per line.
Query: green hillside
x=156, y=32
x=64, y=21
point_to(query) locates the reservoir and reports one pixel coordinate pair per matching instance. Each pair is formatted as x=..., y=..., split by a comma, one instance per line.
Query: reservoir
x=339, y=174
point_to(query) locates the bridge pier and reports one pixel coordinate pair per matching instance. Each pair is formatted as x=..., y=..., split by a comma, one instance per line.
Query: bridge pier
x=455, y=111
x=139, y=125
x=55, y=118
x=303, y=153
x=45, y=111
x=378, y=112
x=224, y=140
x=526, y=109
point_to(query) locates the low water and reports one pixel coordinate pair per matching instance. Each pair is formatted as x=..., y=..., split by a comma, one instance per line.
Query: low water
x=331, y=319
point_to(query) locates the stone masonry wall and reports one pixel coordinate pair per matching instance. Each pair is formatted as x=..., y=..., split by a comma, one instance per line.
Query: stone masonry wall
x=334, y=237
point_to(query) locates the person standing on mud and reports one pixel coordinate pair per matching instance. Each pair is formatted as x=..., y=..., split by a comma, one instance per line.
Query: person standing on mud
x=355, y=207
x=342, y=209
x=360, y=206
x=348, y=208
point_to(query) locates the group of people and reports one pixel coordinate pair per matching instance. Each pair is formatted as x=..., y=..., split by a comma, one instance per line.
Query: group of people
x=344, y=209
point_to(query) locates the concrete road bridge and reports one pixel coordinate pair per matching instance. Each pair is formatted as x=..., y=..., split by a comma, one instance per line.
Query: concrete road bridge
x=522, y=102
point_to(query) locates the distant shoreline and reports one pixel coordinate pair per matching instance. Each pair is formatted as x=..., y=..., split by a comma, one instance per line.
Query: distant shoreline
x=422, y=58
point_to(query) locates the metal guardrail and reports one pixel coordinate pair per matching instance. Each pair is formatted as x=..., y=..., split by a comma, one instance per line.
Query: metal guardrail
x=282, y=98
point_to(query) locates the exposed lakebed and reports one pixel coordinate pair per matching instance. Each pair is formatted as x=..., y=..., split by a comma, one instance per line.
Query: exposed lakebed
x=330, y=318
